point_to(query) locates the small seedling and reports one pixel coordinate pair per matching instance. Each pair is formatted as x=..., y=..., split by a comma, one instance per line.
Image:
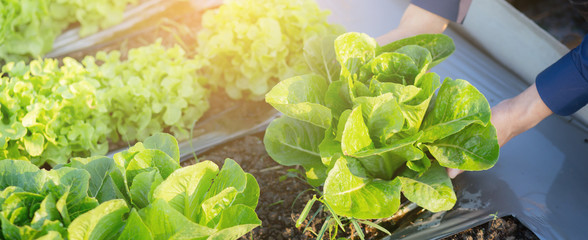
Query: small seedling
x=333, y=221
x=494, y=216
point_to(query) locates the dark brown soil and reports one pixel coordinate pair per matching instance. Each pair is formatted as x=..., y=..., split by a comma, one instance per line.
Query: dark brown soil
x=506, y=228
x=558, y=17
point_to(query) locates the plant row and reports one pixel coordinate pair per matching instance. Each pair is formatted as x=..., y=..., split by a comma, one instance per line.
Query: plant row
x=29, y=27
x=141, y=193
x=50, y=113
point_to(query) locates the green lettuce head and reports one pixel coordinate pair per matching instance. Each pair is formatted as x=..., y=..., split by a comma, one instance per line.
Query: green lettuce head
x=250, y=45
x=381, y=126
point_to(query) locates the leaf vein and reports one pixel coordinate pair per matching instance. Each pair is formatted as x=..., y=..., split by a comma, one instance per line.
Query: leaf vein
x=301, y=149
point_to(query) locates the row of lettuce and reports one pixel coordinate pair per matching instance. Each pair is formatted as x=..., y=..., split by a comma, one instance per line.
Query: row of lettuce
x=53, y=110
x=141, y=193
x=28, y=28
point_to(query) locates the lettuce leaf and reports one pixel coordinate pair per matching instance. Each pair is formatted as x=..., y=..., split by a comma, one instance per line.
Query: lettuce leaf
x=37, y=203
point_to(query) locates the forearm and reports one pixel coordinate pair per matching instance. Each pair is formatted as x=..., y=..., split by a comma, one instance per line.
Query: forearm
x=415, y=21
x=562, y=88
x=516, y=115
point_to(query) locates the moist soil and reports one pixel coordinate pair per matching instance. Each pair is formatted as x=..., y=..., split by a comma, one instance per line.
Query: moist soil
x=506, y=228
x=558, y=17
x=284, y=195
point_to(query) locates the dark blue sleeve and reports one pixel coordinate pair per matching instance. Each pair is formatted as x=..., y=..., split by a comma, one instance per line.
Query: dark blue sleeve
x=563, y=86
x=452, y=10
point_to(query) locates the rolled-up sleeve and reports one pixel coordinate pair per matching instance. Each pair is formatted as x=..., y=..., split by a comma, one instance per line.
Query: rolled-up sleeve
x=453, y=10
x=563, y=86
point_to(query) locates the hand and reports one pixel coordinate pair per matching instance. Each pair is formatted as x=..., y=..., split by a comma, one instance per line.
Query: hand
x=415, y=20
x=514, y=116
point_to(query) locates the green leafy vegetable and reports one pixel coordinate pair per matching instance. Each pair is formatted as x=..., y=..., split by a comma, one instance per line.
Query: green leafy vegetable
x=29, y=27
x=106, y=219
x=51, y=113
x=140, y=194
x=165, y=201
x=250, y=45
x=36, y=203
x=383, y=127
x=352, y=196
x=153, y=90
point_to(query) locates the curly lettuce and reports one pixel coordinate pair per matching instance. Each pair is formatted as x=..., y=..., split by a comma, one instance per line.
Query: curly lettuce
x=155, y=89
x=51, y=113
x=250, y=45
x=29, y=27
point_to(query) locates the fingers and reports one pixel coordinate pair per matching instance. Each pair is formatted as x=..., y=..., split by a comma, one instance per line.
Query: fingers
x=452, y=172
